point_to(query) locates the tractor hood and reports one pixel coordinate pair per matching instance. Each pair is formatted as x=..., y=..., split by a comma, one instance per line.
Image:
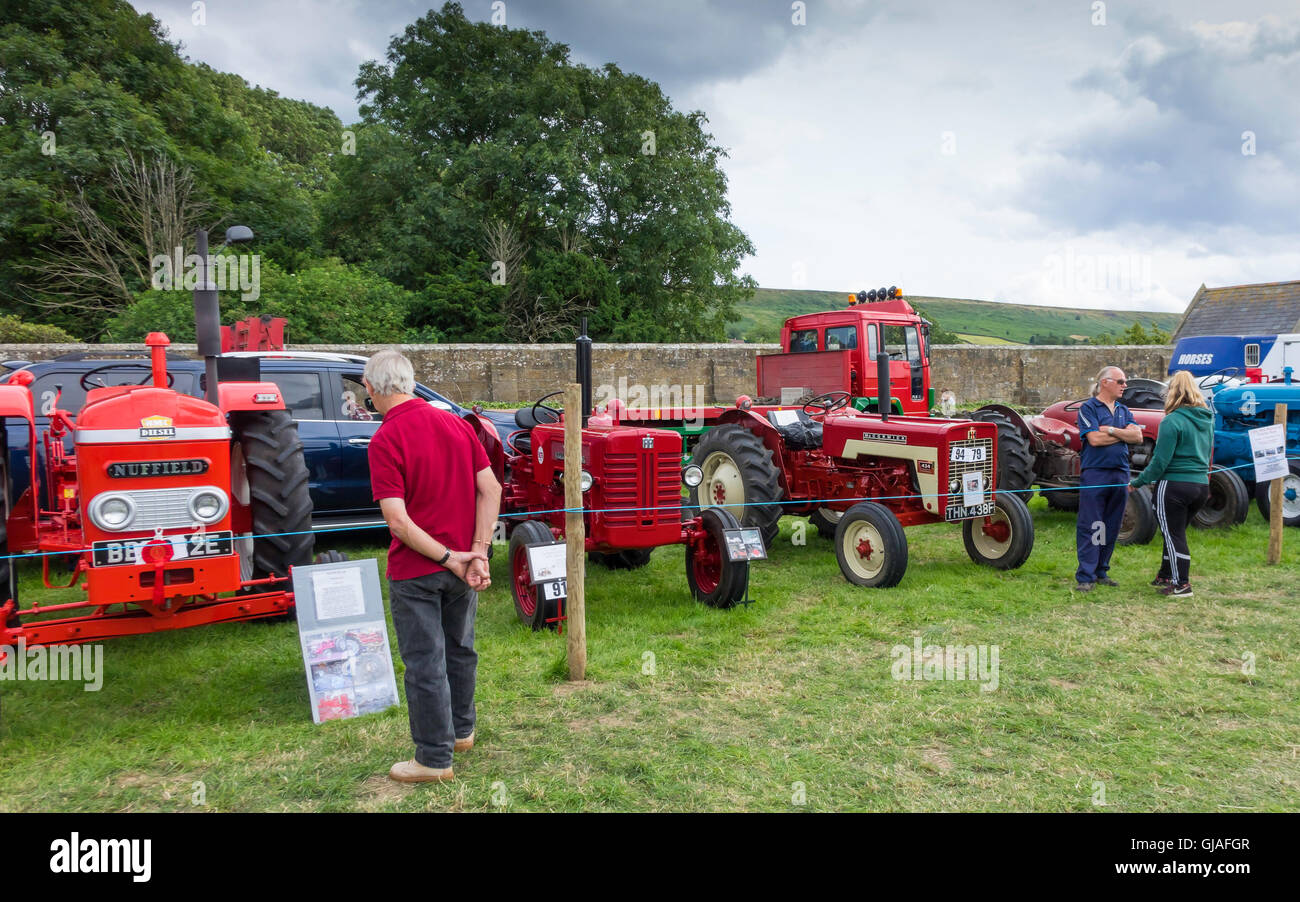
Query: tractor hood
x=145, y=414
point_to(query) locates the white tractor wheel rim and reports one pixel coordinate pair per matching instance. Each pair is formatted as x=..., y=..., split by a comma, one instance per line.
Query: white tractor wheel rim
x=1291, y=506
x=722, y=486
x=858, y=537
x=987, y=545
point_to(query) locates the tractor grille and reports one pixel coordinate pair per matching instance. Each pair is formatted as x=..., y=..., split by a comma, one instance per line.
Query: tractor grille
x=163, y=508
x=644, y=480
x=957, y=469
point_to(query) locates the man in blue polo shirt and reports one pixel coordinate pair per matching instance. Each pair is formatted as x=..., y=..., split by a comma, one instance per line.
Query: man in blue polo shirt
x=1106, y=429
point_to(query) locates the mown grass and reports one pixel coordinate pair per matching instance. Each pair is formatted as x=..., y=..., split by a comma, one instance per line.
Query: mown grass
x=689, y=708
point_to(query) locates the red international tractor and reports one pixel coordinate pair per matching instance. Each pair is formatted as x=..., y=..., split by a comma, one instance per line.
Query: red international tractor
x=632, y=497
x=170, y=511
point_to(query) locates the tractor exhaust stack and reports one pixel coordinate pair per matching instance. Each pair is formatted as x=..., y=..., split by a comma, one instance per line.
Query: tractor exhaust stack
x=883, y=399
x=584, y=371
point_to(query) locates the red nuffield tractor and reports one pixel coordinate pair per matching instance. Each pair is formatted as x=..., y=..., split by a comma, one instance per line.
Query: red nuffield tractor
x=632, y=497
x=171, y=510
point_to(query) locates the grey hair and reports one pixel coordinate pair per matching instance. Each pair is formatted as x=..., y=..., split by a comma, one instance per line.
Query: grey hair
x=1101, y=374
x=390, y=373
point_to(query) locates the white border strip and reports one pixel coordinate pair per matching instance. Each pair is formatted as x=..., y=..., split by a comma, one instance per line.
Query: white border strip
x=183, y=433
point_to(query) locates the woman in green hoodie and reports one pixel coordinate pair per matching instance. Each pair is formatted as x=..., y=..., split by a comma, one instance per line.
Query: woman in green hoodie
x=1180, y=471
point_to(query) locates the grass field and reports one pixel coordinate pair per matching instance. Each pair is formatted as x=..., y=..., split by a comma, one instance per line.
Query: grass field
x=1015, y=323
x=784, y=705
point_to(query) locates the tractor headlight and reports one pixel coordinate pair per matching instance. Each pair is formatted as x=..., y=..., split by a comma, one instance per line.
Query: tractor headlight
x=692, y=475
x=954, y=485
x=585, y=480
x=209, y=505
x=112, y=512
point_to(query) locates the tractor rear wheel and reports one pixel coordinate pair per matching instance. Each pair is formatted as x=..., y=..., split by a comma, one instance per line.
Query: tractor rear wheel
x=531, y=608
x=825, y=519
x=1004, y=539
x=870, y=546
x=1226, y=504
x=277, y=490
x=1015, y=460
x=627, y=559
x=1061, y=499
x=713, y=577
x=739, y=476
x=1290, y=496
x=1139, y=523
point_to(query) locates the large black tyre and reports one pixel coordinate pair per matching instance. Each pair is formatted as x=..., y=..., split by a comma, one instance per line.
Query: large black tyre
x=1061, y=499
x=1290, y=496
x=1006, y=541
x=711, y=576
x=1139, y=523
x=740, y=476
x=825, y=520
x=277, y=490
x=870, y=546
x=627, y=559
x=1227, y=504
x=530, y=607
x=1015, y=459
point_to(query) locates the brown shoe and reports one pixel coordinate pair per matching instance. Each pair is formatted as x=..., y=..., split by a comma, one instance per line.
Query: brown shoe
x=464, y=745
x=414, y=772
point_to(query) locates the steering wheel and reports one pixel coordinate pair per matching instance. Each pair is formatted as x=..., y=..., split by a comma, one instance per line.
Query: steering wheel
x=85, y=377
x=826, y=403
x=1227, y=372
x=552, y=413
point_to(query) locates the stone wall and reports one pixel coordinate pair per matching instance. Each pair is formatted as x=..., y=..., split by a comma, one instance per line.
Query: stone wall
x=1029, y=375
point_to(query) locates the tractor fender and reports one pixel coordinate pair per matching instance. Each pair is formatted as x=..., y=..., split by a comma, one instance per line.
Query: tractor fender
x=254, y=396
x=771, y=439
x=1015, y=418
x=16, y=401
x=490, y=439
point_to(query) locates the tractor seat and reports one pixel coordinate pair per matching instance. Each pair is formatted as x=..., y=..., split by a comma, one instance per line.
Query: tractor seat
x=524, y=418
x=1053, y=430
x=800, y=433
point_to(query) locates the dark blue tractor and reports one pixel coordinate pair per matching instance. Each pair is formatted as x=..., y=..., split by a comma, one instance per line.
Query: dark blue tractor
x=1240, y=408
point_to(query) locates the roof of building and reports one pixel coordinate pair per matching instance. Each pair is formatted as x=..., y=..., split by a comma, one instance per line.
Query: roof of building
x=1266, y=309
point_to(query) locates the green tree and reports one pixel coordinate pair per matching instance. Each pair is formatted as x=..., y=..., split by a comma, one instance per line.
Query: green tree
x=558, y=159
x=1135, y=335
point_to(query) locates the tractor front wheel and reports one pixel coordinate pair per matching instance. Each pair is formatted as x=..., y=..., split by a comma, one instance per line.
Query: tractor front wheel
x=870, y=546
x=713, y=577
x=531, y=608
x=1290, y=496
x=740, y=477
x=1227, y=504
x=276, y=488
x=1004, y=539
x=1139, y=523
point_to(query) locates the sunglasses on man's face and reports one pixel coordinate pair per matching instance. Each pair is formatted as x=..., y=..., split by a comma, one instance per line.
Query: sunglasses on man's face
x=1120, y=381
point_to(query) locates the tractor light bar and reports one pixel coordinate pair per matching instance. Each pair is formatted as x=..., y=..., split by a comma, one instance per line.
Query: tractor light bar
x=209, y=505
x=692, y=475
x=112, y=511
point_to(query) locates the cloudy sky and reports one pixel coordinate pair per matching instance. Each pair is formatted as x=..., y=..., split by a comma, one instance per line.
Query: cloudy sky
x=1068, y=152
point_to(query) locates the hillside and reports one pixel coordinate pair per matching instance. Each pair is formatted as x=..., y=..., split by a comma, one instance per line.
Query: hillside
x=762, y=315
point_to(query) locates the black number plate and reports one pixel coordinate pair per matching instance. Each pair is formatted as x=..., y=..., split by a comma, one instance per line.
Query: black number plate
x=198, y=544
x=959, y=512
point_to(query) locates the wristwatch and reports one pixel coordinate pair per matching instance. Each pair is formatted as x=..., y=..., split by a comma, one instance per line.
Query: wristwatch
x=1110, y=430
x=446, y=557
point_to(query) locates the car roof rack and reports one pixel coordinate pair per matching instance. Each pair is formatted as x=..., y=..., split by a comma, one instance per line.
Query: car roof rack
x=301, y=355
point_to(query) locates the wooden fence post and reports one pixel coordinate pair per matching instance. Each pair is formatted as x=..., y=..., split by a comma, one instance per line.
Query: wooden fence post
x=575, y=532
x=1275, y=500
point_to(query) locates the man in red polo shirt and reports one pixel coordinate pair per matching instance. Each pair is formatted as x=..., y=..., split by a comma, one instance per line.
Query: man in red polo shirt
x=438, y=494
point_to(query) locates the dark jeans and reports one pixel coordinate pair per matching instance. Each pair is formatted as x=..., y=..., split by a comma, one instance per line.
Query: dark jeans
x=1101, y=511
x=434, y=617
x=1176, y=504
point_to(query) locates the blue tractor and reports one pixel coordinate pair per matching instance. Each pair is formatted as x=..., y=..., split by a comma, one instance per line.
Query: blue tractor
x=1239, y=408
